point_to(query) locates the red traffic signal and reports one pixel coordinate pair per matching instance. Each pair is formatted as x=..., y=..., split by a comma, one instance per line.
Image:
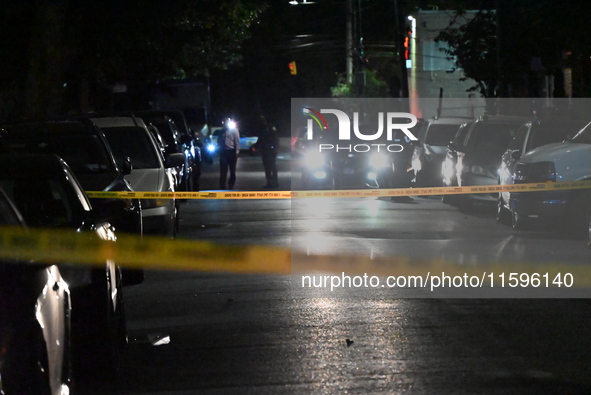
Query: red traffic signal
x=292, y=68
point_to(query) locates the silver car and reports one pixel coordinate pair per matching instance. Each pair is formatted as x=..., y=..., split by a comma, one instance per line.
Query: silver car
x=151, y=171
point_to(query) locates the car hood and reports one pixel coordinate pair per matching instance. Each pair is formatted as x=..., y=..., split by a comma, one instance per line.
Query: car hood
x=572, y=161
x=552, y=152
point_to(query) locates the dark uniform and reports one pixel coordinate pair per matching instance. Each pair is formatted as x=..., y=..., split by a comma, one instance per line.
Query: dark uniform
x=268, y=145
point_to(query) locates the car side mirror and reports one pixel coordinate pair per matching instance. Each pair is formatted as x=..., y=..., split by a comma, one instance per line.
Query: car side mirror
x=126, y=166
x=175, y=160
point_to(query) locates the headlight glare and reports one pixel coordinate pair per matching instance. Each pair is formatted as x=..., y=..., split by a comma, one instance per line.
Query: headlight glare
x=379, y=160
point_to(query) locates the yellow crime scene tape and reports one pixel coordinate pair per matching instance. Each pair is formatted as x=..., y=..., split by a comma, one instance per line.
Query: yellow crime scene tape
x=353, y=193
x=63, y=246
x=67, y=246
x=44, y=246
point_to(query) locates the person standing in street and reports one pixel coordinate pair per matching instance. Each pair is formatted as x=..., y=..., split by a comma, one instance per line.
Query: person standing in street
x=229, y=146
x=268, y=144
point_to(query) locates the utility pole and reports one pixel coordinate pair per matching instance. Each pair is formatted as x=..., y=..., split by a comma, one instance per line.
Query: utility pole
x=400, y=33
x=349, y=42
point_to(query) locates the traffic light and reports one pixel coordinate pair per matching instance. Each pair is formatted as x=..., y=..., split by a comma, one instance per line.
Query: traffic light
x=292, y=68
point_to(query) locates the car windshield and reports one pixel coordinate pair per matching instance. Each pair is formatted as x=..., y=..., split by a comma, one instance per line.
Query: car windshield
x=135, y=143
x=491, y=137
x=84, y=152
x=440, y=135
x=542, y=135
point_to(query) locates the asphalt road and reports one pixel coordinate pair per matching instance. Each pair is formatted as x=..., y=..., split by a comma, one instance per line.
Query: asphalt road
x=199, y=333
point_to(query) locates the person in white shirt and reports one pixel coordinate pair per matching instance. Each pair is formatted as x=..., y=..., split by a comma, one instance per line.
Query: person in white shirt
x=229, y=145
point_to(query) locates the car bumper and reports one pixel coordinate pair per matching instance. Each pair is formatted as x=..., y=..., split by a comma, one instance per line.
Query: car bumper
x=469, y=180
x=430, y=174
x=159, y=220
x=547, y=204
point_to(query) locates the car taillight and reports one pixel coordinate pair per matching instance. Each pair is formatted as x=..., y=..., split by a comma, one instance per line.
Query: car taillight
x=534, y=172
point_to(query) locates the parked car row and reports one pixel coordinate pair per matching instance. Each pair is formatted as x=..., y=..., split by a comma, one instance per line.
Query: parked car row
x=60, y=319
x=55, y=316
x=506, y=150
x=455, y=151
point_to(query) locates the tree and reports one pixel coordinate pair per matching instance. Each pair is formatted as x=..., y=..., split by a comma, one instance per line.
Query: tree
x=77, y=49
x=472, y=45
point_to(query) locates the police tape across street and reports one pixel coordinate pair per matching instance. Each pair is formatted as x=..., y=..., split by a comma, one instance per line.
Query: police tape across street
x=351, y=193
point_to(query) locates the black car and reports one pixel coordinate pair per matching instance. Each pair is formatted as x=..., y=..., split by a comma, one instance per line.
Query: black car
x=192, y=145
x=35, y=311
x=328, y=163
x=475, y=159
x=188, y=175
x=48, y=195
x=84, y=147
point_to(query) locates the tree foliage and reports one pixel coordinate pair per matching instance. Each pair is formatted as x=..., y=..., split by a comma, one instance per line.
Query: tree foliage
x=90, y=44
x=473, y=47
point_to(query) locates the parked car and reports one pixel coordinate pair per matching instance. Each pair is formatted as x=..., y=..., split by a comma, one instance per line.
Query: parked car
x=383, y=165
x=130, y=138
x=529, y=136
x=429, y=151
x=48, y=195
x=35, y=311
x=84, y=147
x=179, y=142
x=566, y=161
x=479, y=156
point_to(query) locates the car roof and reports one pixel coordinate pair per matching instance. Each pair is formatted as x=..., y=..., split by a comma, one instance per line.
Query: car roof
x=504, y=119
x=79, y=125
x=113, y=122
x=41, y=165
x=449, y=120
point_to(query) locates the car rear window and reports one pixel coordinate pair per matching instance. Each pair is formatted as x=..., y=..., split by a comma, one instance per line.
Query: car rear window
x=135, y=143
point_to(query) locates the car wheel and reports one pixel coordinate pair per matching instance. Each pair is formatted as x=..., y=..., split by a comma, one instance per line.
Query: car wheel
x=188, y=183
x=448, y=199
x=503, y=214
x=101, y=331
x=518, y=222
x=195, y=175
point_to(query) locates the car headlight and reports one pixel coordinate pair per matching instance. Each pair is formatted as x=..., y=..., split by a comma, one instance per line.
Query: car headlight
x=379, y=160
x=447, y=170
x=319, y=174
x=313, y=159
x=211, y=148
